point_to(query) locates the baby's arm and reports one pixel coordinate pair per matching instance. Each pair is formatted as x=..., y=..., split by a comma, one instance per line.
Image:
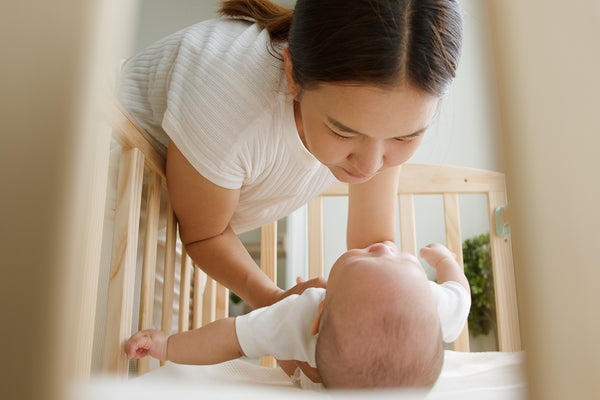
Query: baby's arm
x=211, y=344
x=444, y=262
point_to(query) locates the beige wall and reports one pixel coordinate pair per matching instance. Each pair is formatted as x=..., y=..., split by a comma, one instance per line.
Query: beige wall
x=548, y=61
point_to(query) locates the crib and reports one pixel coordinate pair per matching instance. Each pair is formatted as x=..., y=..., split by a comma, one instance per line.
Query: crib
x=142, y=181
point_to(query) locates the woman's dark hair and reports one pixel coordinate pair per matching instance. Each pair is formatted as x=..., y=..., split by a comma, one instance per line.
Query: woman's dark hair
x=378, y=42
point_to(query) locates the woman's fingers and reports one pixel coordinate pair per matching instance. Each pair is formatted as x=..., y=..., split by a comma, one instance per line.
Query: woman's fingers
x=302, y=285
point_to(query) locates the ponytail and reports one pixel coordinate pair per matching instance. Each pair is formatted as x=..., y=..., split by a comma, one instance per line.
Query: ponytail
x=273, y=17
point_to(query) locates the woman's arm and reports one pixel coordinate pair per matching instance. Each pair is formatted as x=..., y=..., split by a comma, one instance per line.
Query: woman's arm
x=372, y=210
x=204, y=210
x=211, y=344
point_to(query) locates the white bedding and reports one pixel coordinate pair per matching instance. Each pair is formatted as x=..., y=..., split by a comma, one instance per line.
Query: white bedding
x=489, y=375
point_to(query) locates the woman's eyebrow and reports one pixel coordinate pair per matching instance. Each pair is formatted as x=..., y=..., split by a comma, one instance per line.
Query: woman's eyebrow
x=345, y=128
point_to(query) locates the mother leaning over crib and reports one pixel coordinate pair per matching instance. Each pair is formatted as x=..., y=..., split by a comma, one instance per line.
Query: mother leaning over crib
x=263, y=111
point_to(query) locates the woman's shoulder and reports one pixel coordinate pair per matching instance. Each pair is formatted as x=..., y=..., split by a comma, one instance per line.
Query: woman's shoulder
x=233, y=56
x=234, y=48
x=216, y=35
x=226, y=66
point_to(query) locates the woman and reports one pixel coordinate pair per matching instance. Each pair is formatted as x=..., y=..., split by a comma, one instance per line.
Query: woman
x=261, y=112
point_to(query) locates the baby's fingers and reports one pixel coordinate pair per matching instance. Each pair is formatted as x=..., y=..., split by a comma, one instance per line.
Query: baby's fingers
x=140, y=353
x=433, y=253
x=137, y=346
x=427, y=251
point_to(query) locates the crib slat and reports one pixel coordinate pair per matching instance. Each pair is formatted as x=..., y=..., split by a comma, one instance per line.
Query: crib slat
x=199, y=285
x=150, y=247
x=169, y=274
x=184, y=292
x=268, y=361
x=169, y=278
x=268, y=250
x=149, y=264
x=208, y=301
x=454, y=243
x=123, y=263
x=221, y=301
x=268, y=263
x=408, y=239
x=509, y=338
x=315, y=238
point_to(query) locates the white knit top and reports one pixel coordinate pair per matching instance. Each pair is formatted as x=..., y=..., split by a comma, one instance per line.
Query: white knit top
x=217, y=91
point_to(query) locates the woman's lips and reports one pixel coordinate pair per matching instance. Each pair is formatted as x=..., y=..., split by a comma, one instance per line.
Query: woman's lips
x=355, y=176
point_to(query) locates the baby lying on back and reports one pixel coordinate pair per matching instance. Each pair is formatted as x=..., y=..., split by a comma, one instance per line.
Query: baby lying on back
x=380, y=323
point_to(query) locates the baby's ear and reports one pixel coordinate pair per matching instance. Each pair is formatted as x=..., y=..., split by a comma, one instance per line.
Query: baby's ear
x=314, y=328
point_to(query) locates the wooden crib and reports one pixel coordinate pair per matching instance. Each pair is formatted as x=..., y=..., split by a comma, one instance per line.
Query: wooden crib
x=203, y=300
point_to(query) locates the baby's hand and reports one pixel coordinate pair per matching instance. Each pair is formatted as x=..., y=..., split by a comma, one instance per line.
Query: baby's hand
x=435, y=252
x=150, y=341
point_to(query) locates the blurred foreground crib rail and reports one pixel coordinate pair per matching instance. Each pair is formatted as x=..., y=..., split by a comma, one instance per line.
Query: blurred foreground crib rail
x=201, y=299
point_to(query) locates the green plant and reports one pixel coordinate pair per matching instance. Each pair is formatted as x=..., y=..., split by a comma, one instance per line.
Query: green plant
x=235, y=299
x=478, y=269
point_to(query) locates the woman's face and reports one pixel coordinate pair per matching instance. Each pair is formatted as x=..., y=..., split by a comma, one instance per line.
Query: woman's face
x=357, y=131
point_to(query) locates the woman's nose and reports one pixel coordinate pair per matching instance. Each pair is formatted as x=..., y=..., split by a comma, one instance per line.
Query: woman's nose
x=369, y=157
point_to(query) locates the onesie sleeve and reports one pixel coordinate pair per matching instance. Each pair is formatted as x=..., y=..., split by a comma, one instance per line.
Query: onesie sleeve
x=453, y=305
x=282, y=329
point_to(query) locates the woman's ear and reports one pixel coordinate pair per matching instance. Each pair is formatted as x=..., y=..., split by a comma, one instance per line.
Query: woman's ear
x=314, y=328
x=293, y=87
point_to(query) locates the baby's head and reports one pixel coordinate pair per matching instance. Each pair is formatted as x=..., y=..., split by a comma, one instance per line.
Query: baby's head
x=379, y=326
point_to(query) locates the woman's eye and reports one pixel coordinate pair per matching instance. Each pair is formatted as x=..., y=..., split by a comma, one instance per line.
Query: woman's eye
x=339, y=136
x=406, y=140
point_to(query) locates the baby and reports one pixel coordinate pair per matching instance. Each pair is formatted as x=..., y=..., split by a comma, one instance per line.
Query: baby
x=379, y=323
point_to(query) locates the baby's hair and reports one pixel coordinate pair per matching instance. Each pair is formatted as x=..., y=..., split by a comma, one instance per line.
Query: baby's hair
x=376, y=42
x=392, y=352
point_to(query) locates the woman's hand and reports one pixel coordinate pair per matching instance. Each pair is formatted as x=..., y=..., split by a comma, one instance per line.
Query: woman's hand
x=289, y=367
x=302, y=285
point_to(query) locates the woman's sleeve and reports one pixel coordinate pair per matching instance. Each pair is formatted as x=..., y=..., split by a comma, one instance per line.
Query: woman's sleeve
x=217, y=88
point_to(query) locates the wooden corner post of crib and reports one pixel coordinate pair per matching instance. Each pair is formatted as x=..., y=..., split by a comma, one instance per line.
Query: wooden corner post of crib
x=268, y=263
x=507, y=314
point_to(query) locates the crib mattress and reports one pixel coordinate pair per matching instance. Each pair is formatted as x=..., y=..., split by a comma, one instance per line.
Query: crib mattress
x=487, y=375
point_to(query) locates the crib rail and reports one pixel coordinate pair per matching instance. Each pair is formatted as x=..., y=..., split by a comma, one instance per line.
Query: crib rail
x=203, y=300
